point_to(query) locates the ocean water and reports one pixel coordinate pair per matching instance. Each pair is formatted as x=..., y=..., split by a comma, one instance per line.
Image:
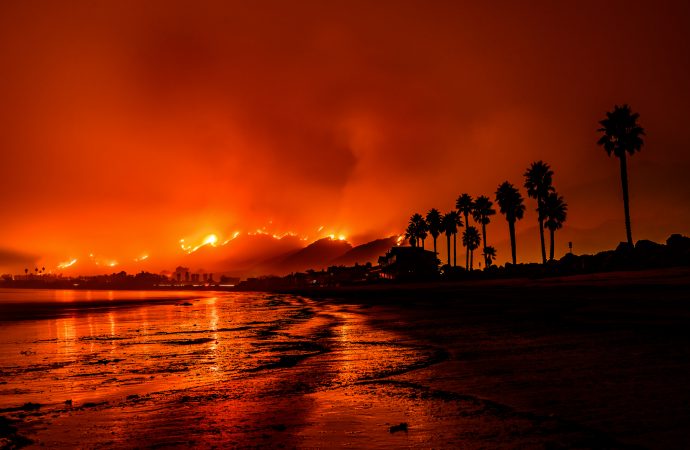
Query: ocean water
x=121, y=369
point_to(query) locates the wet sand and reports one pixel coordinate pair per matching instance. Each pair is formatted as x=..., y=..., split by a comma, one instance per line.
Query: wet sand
x=572, y=363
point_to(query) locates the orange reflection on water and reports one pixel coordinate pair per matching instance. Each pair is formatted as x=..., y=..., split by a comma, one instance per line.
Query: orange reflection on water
x=218, y=368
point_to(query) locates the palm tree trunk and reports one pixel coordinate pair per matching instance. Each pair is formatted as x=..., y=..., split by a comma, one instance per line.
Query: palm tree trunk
x=484, y=239
x=448, y=239
x=541, y=231
x=626, y=199
x=553, y=233
x=422, y=244
x=455, y=249
x=467, y=250
x=435, y=253
x=471, y=260
x=511, y=228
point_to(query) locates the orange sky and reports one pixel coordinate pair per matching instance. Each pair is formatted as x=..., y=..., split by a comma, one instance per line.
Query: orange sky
x=126, y=125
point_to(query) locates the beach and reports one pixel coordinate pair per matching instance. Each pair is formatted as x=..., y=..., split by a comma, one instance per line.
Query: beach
x=595, y=361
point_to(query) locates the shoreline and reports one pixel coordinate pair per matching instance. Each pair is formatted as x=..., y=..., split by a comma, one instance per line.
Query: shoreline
x=593, y=361
x=607, y=353
x=669, y=279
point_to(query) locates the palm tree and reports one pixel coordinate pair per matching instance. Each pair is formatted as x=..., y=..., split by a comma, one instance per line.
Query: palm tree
x=511, y=205
x=622, y=135
x=411, y=234
x=538, y=182
x=465, y=205
x=449, y=225
x=433, y=221
x=471, y=240
x=482, y=212
x=455, y=218
x=489, y=255
x=555, y=212
x=420, y=227
x=459, y=223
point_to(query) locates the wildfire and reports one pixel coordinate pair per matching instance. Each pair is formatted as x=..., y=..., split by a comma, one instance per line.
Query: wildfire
x=211, y=240
x=66, y=264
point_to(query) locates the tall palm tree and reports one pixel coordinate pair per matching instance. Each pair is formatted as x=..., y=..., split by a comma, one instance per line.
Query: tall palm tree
x=555, y=213
x=489, y=255
x=411, y=234
x=622, y=136
x=510, y=202
x=455, y=218
x=433, y=221
x=482, y=212
x=449, y=225
x=465, y=205
x=459, y=223
x=471, y=240
x=539, y=182
x=419, y=228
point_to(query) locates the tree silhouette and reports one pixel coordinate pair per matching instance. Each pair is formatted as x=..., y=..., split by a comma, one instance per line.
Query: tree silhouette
x=555, y=212
x=458, y=222
x=538, y=182
x=449, y=225
x=511, y=205
x=482, y=212
x=433, y=221
x=420, y=227
x=471, y=240
x=622, y=136
x=489, y=255
x=411, y=235
x=465, y=205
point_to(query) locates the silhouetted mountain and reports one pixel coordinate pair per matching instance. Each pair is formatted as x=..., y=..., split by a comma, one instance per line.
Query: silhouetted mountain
x=365, y=253
x=246, y=255
x=316, y=255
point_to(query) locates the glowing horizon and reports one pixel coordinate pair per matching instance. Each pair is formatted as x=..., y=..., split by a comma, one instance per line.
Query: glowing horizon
x=134, y=128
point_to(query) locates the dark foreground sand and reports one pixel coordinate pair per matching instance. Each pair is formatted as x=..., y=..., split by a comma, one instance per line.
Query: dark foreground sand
x=597, y=361
x=606, y=354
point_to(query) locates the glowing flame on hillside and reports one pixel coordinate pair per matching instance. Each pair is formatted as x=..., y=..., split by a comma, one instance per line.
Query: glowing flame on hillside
x=66, y=264
x=211, y=240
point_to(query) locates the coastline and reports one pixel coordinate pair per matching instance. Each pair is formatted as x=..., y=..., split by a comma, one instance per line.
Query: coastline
x=588, y=362
x=619, y=282
x=607, y=353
